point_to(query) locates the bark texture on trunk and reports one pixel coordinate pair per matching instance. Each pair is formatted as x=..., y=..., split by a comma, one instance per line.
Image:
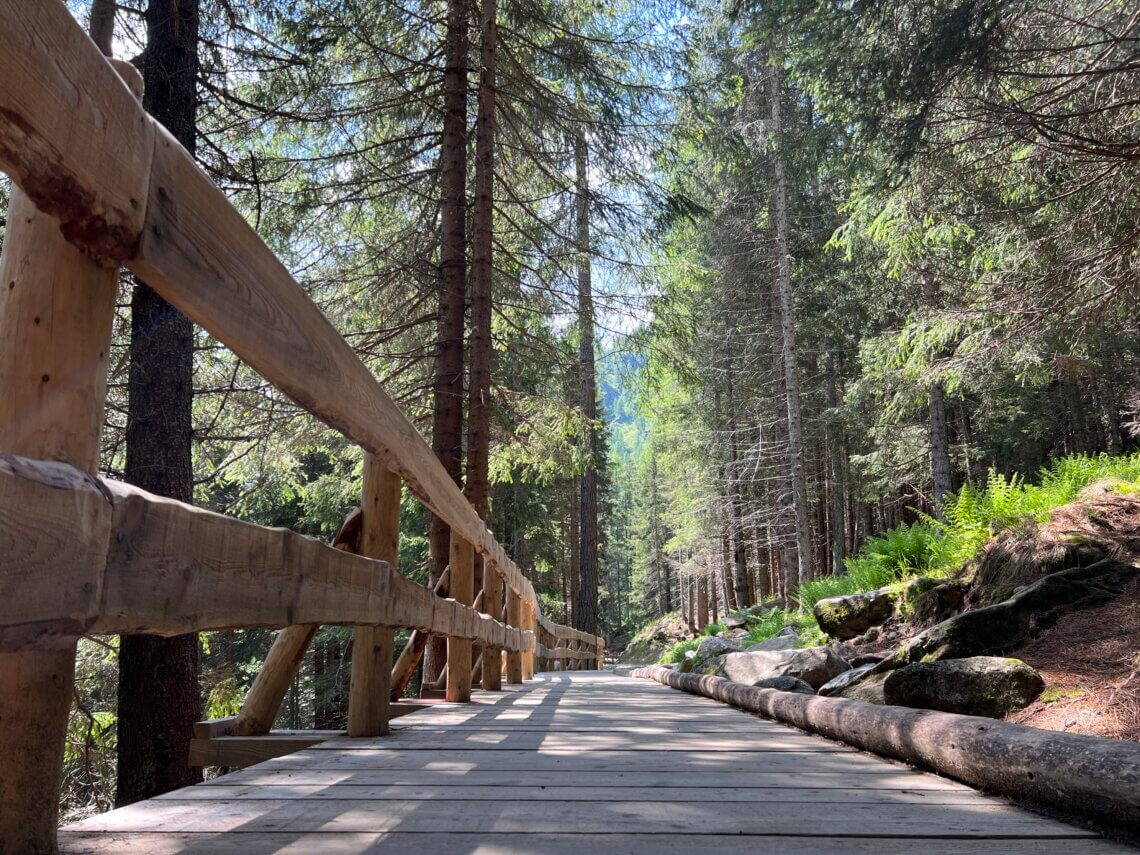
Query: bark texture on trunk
x=783, y=283
x=447, y=406
x=939, y=440
x=482, y=270
x=837, y=457
x=587, y=616
x=158, y=677
x=739, y=555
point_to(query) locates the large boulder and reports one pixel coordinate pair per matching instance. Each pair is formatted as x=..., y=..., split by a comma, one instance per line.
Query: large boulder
x=778, y=642
x=711, y=646
x=814, y=665
x=847, y=617
x=734, y=621
x=869, y=690
x=980, y=685
x=1002, y=626
x=785, y=684
x=848, y=678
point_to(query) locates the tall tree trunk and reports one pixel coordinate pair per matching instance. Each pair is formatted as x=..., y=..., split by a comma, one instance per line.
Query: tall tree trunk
x=482, y=270
x=837, y=456
x=587, y=616
x=158, y=677
x=783, y=283
x=101, y=27
x=664, y=599
x=939, y=439
x=447, y=407
x=739, y=551
x=575, y=550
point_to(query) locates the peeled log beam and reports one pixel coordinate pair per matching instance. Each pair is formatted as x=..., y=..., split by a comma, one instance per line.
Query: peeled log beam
x=145, y=564
x=1077, y=776
x=72, y=135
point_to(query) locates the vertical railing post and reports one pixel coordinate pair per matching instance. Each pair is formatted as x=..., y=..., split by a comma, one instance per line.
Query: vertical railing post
x=462, y=562
x=514, y=618
x=372, y=646
x=56, y=313
x=530, y=621
x=492, y=605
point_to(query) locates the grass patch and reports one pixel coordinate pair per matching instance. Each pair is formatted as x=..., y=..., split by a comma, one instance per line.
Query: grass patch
x=1051, y=696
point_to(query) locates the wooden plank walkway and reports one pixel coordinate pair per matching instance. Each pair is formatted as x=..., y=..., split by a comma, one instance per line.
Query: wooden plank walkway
x=576, y=763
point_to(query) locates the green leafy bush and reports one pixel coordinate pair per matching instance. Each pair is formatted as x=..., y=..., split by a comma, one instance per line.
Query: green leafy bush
x=676, y=654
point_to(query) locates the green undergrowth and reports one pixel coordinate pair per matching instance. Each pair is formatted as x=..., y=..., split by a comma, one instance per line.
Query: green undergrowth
x=937, y=549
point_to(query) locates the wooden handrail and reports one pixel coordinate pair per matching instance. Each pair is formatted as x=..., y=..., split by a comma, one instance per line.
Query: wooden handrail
x=93, y=555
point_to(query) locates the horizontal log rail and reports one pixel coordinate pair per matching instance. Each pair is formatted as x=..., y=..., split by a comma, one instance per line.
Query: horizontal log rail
x=87, y=555
x=138, y=563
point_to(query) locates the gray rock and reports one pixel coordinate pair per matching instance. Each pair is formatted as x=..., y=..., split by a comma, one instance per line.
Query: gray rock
x=712, y=646
x=846, y=617
x=814, y=665
x=869, y=690
x=864, y=658
x=979, y=685
x=787, y=631
x=869, y=637
x=779, y=642
x=1002, y=626
x=785, y=684
x=733, y=634
x=848, y=678
x=733, y=621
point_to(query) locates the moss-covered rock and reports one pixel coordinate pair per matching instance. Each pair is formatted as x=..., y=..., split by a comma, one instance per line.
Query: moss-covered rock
x=1004, y=625
x=869, y=690
x=846, y=617
x=980, y=685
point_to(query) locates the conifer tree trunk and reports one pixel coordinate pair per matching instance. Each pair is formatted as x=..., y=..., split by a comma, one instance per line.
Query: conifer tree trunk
x=447, y=407
x=739, y=554
x=783, y=289
x=664, y=594
x=587, y=612
x=837, y=457
x=158, y=677
x=939, y=440
x=482, y=268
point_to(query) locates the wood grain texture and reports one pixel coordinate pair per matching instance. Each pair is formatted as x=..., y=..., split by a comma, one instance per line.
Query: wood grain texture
x=172, y=568
x=72, y=135
x=461, y=560
x=785, y=791
x=514, y=618
x=372, y=648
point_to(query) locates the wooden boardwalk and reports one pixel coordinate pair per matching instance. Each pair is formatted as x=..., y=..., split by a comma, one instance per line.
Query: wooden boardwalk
x=577, y=763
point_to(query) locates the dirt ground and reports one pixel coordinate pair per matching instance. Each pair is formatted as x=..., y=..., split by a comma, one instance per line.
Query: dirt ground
x=1090, y=659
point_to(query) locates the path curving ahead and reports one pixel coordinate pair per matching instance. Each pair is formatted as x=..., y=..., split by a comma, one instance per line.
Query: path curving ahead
x=577, y=763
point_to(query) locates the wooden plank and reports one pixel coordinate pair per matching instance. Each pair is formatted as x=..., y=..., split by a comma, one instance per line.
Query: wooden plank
x=72, y=135
x=982, y=819
x=676, y=842
x=461, y=559
x=788, y=762
x=372, y=649
x=522, y=740
x=240, y=751
x=555, y=791
x=886, y=777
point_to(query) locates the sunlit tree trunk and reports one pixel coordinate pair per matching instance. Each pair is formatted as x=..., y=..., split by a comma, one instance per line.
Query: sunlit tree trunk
x=586, y=618
x=447, y=406
x=783, y=295
x=158, y=677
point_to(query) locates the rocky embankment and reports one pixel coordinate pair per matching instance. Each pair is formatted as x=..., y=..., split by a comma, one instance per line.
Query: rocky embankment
x=1004, y=640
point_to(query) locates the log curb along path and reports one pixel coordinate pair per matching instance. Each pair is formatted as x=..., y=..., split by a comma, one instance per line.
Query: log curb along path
x=1085, y=778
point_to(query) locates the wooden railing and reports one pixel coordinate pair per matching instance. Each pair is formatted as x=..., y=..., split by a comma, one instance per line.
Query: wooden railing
x=99, y=185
